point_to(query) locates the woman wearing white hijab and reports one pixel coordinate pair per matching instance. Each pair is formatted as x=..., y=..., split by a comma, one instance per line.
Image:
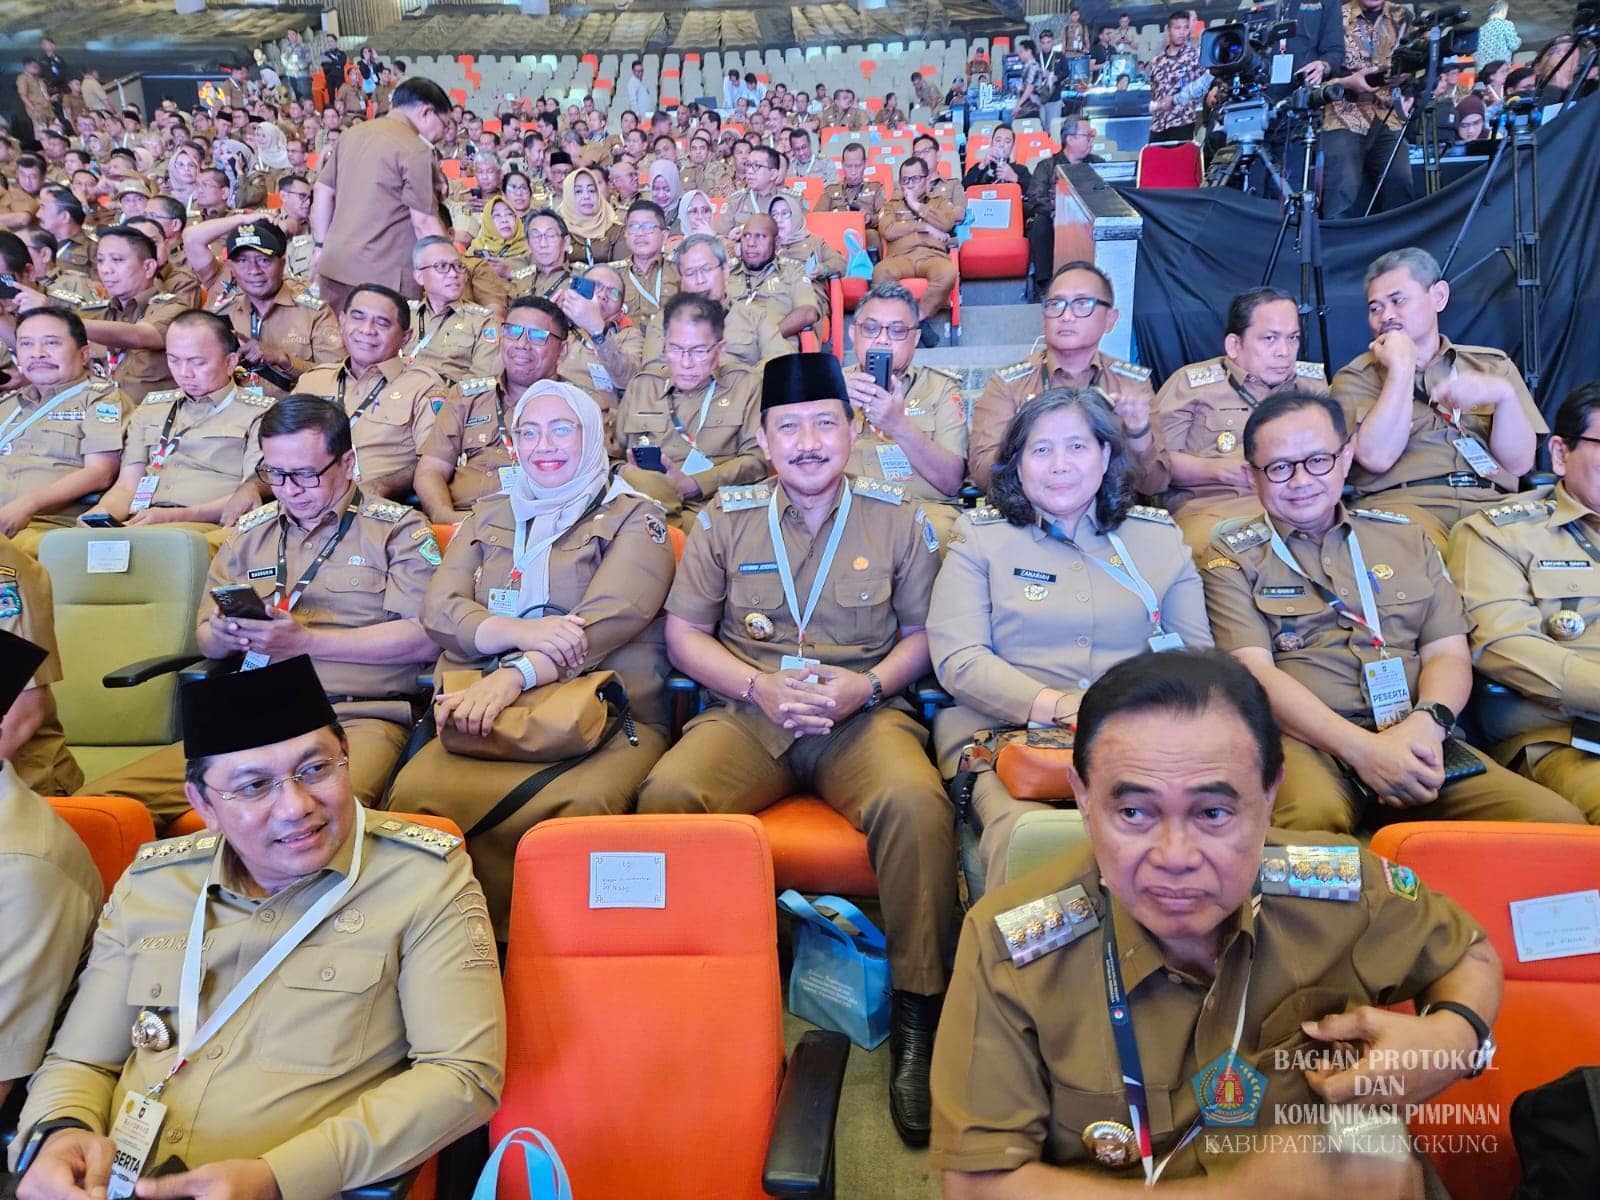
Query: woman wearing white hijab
x=567, y=572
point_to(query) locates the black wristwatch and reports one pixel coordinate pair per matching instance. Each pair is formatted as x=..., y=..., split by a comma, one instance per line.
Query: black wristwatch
x=1442, y=716
x=877, y=691
x=1486, y=1043
x=36, y=1139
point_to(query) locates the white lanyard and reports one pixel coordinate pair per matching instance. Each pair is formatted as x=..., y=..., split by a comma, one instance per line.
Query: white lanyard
x=8, y=435
x=1127, y=574
x=1368, y=617
x=786, y=573
x=191, y=1039
x=522, y=554
x=705, y=411
x=646, y=292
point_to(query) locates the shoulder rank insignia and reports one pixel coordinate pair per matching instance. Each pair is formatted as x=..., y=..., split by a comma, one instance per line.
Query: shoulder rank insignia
x=1149, y=512
x=170, y=850
x=257, y=516
x=163, y=297
x=68, y=297
x=102, y=385
x=1381, y=514
x=384, y=510
x=1034, y=929
x=1312, y=872
x=254, y=398
x=985, y=514
x=1310, y=370
x=1128, y=370
x=307, y=300
x=1017, y=371
x=1203, y=375
x=877, y=489
x=164, y=397
x=436, y=842
x=527, y=272
x=1518, y=510
x=476, y=310
x=952, y=376
x=1246, y=536
x=477, y=385
x=743, y=496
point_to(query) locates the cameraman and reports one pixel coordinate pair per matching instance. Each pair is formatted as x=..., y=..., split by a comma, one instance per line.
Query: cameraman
x=1364, y=130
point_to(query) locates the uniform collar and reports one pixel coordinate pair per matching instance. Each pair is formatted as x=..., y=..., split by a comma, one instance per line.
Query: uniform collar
x=1568, y=507
x=330, y=515
x=1140, y=953
x=389, y=367
x=282, y=298
x=1446, y=357
x=39, y=395
x=1341, y=520
x=216, y=397
x=1096, y=365
x=138, y=304
x=789, y=512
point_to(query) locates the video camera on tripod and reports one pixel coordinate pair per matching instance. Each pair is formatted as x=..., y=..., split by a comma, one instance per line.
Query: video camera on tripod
x=1238, y=55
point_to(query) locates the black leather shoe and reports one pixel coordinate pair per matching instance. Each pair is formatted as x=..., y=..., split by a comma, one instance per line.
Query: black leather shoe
x=914, y=1022
x=930, y=336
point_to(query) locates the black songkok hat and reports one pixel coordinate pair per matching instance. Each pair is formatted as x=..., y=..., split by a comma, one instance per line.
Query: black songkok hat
x=228, y=713
x=799, y=378
x=19, y=659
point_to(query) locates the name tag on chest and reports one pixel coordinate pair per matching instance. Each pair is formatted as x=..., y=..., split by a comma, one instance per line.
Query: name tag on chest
x=1564, y=564
x=1033, y=576
x=758, y=568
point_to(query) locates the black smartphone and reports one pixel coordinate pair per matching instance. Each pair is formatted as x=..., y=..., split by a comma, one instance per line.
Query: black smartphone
x=8, y=287
x=648, y=458
x=584, y=288
x=879, y=364
x=240, y=600
x=101, y=520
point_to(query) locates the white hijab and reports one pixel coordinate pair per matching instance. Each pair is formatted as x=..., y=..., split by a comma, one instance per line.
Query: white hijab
x=550, y=512
x=274, y=152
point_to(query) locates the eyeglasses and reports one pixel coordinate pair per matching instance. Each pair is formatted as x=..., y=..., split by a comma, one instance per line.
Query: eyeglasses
x=694, y=354
x=311, y=776
x=1281, y=470
x=1580, y=438
x=1081, y=306
x=606, y=289
x=445, y=268
x=644, y=227
x=559, y=431
x=303, y=477
x=896, y=333
x=517, y=333
x=546, y=235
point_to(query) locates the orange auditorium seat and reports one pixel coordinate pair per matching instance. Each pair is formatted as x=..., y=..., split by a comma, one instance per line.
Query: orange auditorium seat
x=1547, y=1020
x=112, y=827
x=646, y=1041
x=831, y=228
x=996, y=253
x=442, y=534
x=814, y=849
x=809, y=187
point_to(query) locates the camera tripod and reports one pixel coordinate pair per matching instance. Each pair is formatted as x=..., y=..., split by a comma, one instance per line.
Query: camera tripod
x=1300, y=211
x=1523, y=254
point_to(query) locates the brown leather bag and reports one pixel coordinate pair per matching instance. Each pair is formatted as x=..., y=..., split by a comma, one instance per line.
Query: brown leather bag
x=549, y=724
x=1031, y=763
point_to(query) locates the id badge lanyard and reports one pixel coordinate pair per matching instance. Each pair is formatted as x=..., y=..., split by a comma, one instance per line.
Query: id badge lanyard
x=190, y=1038
x=285, y=597
x=169, y=442
x=1367, y=618
x=700, y=422
x=1127, y=575
x=780, y=552
x=8, y=435
x=1120, y=1011
x=653, y=296
x=372, y=396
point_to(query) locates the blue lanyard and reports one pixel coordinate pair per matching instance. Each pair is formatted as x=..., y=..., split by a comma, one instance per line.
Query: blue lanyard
x=786, y=573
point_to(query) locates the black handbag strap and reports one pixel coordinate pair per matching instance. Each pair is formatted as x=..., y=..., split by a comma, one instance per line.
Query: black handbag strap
x=616, y=701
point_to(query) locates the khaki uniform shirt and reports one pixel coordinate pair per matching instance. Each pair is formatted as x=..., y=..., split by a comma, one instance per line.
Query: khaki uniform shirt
x=750, y=334
x=902, y=231
x=378, y=571
x=727, y=436
x=833, y=117
x=217, y=450
x=179, y=281
x=27, y=609
x=15, y=200
x=530, y=280
x=588, y=365
x=1025, y=1060
x=35, y=99
x=867, y=199
x=77, y=253
x=52, y=892
x=296, y=323
x=1015, y=612
x=1257, y=601
x=645, y=293
x=1430, y=452
x=1518, y=566
x=394, y=1005
x=472, y=436
x=703, y=177
x=380, y=171
x=90, y=422
x=389, y=431
x=73, y=290
x=463, y=340
x=612, y=568
x=934, y=405
x=742, y=205
x=876, y=590
x=1011, y=387
x=587, y=251
x=140, y=372
x=297, y=258
x=780, y=287
x=1202, y=409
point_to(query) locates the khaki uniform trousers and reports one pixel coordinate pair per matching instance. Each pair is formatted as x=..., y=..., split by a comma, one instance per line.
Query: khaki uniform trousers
x=466, y=789
x=1317, y=795
x=873, y=769
x=156, y=781
x=921, y=262
x=1571, y=773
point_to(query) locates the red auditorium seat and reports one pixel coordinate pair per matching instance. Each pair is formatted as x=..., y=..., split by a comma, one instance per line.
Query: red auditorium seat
x=1171, y=166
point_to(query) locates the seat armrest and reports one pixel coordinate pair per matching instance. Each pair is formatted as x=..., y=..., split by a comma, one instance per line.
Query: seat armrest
x=970, y=495
x=386, y=1189
x=930, y=697
x=679, y=682
x=207, y=667
x=800, y=1151
x=147, y=669
x=1539, y=479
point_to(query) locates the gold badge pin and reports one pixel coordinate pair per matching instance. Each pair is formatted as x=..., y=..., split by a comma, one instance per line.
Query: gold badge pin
x=1227, y=440
x=860, y=563
x=1035, y=592
x=759, y=626
x=1382, y=571
x=1288, y=641
x=1566, y=625
x=1111, y=1143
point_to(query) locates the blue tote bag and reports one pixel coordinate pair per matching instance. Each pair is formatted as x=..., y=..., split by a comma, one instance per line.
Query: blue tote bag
x=547, y=1178
x=840, y=979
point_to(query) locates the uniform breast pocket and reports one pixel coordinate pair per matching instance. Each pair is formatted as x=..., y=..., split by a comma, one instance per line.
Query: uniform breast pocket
x=864, y=601
x=755, y=593
x=221, y=453
x=64, y=443
x=655, y=422
x=1073, y=1110
x=1563, y=585
x=330, y=989
x=352, y=590
x=388, y=411
x=1220, y=432
x=1281, y=1027
x=153, y=985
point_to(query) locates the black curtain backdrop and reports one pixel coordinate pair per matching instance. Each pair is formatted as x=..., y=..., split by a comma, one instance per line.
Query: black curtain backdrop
x=1202, y=246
